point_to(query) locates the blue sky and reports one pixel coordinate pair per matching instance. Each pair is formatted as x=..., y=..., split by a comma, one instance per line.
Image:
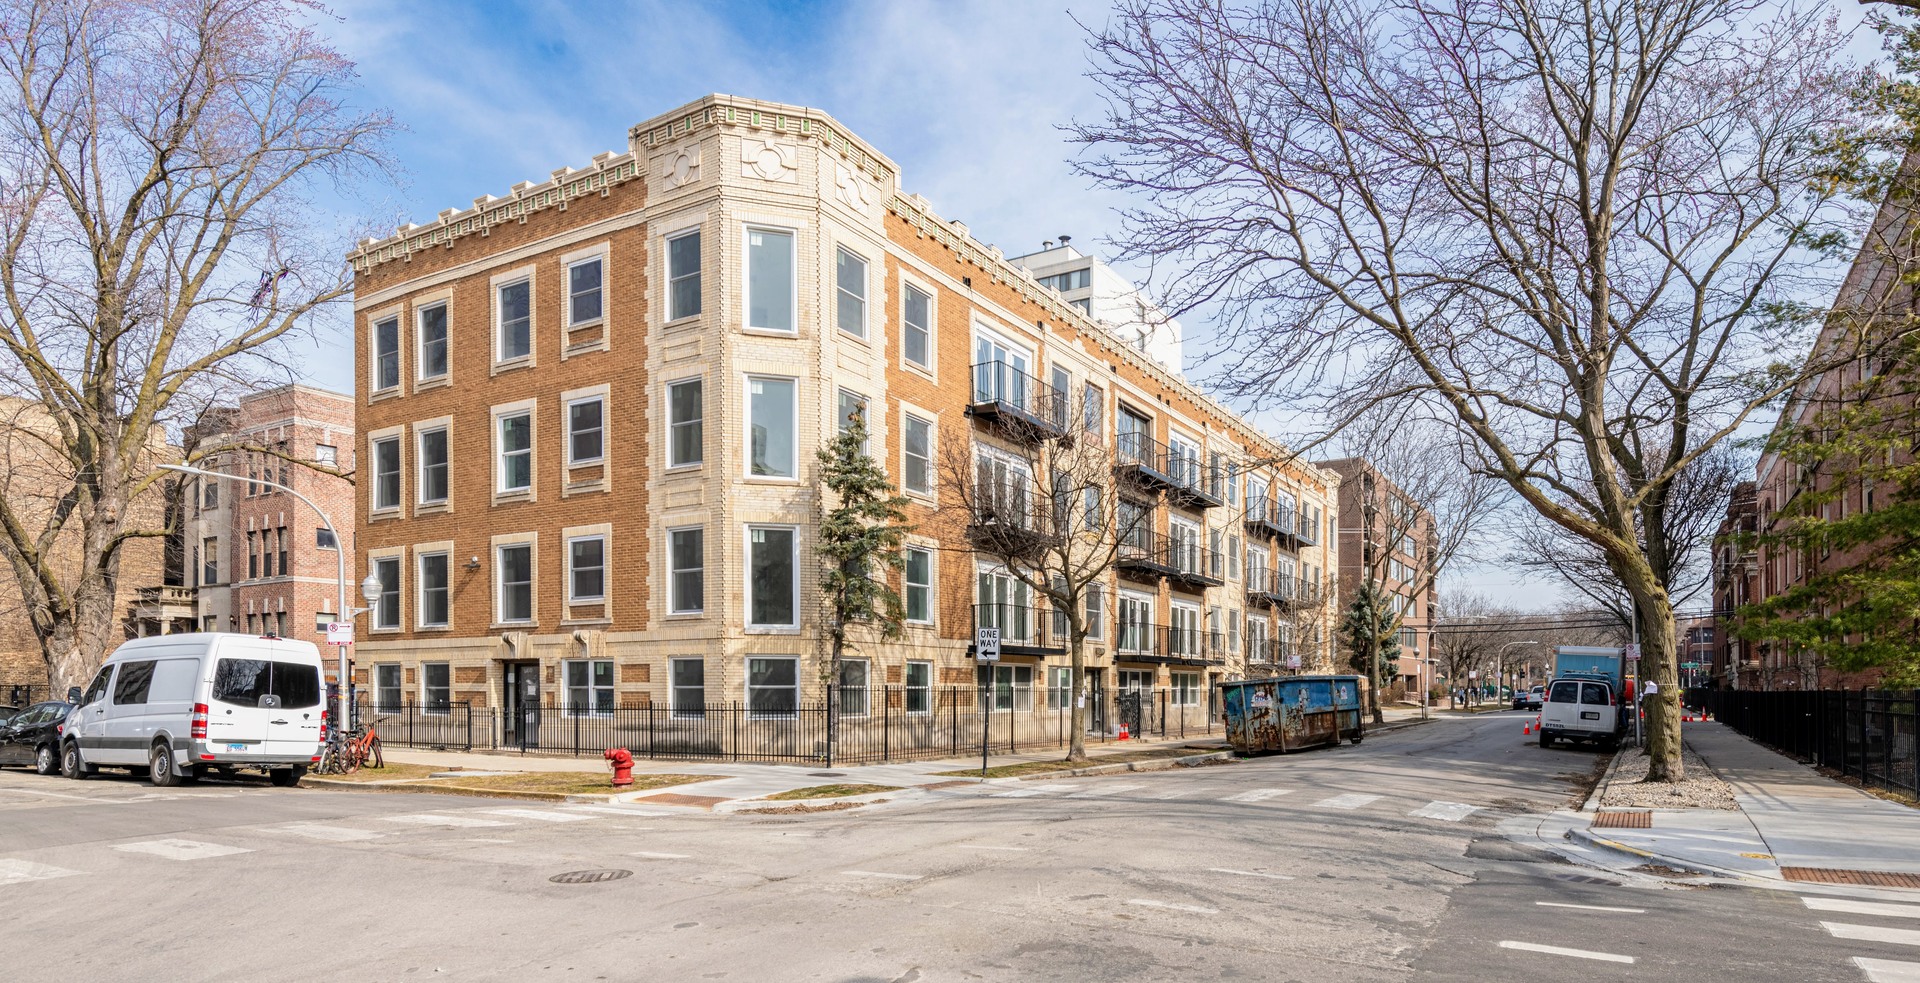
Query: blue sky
x=965, y=95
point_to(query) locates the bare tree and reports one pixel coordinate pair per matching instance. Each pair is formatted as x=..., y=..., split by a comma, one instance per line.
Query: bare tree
x=1571, y=230
x=1038, y=496
x=153, y=243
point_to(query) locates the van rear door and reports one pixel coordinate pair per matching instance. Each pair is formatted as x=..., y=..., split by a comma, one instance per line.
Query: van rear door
x=1561, y=711
x=236, y=722
x=266, y=698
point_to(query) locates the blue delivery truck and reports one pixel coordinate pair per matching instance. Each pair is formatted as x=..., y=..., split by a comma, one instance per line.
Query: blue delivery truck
x=1287, y=713
x=1589, y=699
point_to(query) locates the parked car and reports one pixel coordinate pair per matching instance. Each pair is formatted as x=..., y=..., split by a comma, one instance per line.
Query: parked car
x=174, y=705
x=32, y=737
x=1520, y=700
x=1536, y=697
x=7, y=712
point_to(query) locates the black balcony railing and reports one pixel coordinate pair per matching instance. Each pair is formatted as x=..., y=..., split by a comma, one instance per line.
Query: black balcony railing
x=1186, y=646
x=1024, y=629
x=1196, y=484
x=1021, y=404
x=1134, y=639
x=1267, y=520
x=1192, y=565
x=1272, y=656
x=1010, y=521
x=1143, y=555
x=1306, y=529
x=1142, y=460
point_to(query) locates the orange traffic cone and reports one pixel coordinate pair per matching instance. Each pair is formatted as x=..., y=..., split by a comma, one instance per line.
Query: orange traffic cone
x=1527, y=729
x=1123, y=732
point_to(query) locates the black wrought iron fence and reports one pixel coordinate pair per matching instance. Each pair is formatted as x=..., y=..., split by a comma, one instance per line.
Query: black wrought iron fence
x=1866, y=734
x=14, y=694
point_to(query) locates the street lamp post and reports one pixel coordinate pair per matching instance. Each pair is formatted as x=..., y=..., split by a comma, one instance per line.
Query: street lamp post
x=369, y=590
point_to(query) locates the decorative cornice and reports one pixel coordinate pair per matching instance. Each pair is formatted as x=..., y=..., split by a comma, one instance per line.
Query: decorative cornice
x=719, y=110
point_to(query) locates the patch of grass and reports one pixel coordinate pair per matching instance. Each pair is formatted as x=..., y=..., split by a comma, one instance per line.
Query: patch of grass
x=567, y=782
x=830, y=791
x=393, y=772
x=1043, y=767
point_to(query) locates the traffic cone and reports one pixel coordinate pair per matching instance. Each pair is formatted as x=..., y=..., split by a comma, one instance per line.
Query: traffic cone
x=1526, y=730
x=1123, y=732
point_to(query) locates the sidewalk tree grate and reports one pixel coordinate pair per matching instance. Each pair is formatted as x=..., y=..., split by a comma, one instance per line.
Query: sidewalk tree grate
x=1623, y=820
x=1868, y=878
x=590, y=876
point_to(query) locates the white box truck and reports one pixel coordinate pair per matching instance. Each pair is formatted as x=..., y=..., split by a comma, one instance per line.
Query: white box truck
x=1587, y=700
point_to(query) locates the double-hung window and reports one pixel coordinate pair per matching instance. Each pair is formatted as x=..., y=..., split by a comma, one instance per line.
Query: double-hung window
x=686, y=566
x=514, y=309
x=433, y=466
x=386, y=354
x=917, y=449
x=589, y=687
x=854, y=676
x=386, y=688
x=436, y=687
x=584, y=291
x=689, y=687
x=683, y=275
x=684, y=415
x=770, y=422
x=852, y=404
x=919, y=580
x=586, y=430
x=433, y=342
x=587, y=569
x=773, y=599
x=850, y=289
x=770, y=288
x=916, y=326
x=386, y=605
x=1186, y=689
x=919, y=687
x=1136, y=623
x=516, y=452
x=386, y=473
x=1096, y=611
x=434, y=590
x=773, y=686
x=514, y=572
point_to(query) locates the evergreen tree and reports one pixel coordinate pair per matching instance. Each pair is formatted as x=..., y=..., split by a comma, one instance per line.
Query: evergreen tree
x=861, y=535
x=1371, y=633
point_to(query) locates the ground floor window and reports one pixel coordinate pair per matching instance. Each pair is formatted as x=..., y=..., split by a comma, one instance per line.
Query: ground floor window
x=919, y=687
x=589, y=686
x=1059, y=687
x=436, y=687
x=689, y=687
x=1012, y=686
x=386, y=688
x=1186, y=689
x=773, y=686
x=1136, y=680
x=853, y=687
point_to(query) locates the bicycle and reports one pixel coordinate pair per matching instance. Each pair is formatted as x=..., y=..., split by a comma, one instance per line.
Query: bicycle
x=357, y=751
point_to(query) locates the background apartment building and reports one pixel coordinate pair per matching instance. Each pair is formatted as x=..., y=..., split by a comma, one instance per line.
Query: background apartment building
x=1388, y=539
x=250, y=550
x=591, y=411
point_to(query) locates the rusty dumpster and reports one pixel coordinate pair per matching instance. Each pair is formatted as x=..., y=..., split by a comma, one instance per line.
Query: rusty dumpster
x=1287, y=713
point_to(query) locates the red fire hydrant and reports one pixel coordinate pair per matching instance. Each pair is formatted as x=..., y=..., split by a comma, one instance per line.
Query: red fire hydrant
x=621, y=760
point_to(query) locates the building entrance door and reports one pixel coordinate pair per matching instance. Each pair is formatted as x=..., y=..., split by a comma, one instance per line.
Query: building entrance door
x=522, y=685
x=1097, y=701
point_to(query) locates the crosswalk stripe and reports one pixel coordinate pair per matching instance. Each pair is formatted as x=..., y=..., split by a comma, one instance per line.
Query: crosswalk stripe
x=1170, y=793
x=1888, y=970
x=617, y=811
x=22, y=871
x=882, y=874
x=1352, y=800
x=171, y=849
x=1872, y=933
x=1451, y=812
x=1028, y=793
x=1591, y=907
x=1099, y=790
x=1256, y=795
x=539, y=815
x=1554, y=950
x=659, y=856
x=1852, y=907
x=1251, y=873
x=436, y=819
x=1173, y=906
x=321, y=831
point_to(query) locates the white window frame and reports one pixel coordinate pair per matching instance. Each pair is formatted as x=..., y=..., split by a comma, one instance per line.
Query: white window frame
x=1142, y=602
x=866, y=688
x=375, y=442
x=566, y=286
x=673, y=572
x=678, y=709
x=861, y=403
x=698, y=274
x=427, y=705
x=566, y=419
x=421, y=431
x=906, y=580
x=445, y=306
x=908, y=417
x=500, y=584
x=499, y=414
x=793, y=278
x=605, y=567
x=1186, y=687
x=746, y=683
x=840, y=291
x=397, y=562
x=932, y=326
x=374, y=323
x=907, y=687
x=421, y=555
x=497, y=284
x=1094, y=610
x=793, y=418
x=699, y=424
x=593, y=707
x=793, y=557
x=381, y=686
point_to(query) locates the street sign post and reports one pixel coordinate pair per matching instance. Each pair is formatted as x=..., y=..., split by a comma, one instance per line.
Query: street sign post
x=986, y=649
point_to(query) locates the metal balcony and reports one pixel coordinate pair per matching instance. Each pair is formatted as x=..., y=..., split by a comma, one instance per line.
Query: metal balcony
x=1186, y=647
x=1272, y=656
x=1018, y=404
x=1306, y=530
x=1270, y=589
x=1267, y=521
x=1142, y=460
x=1024, y=629
x=1010, y=525
x=1144, y=556
x=1193, y=566
x=1195, y=485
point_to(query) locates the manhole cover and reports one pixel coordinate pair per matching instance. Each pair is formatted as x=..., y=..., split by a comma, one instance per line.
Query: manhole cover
x=589, y=876
x=1869, y=878
x=1623, y=820
x=826, y=774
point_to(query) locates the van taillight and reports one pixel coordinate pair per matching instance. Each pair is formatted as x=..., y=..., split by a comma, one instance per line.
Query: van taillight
x=199, y=726
x=323, y=726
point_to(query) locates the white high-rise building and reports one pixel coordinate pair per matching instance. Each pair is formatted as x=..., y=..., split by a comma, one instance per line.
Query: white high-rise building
x=1109, y=298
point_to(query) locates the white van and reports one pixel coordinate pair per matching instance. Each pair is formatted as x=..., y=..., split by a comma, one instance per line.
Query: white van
x=177, y=705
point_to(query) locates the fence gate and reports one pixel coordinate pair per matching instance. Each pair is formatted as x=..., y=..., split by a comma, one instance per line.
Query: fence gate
x=1129, y=707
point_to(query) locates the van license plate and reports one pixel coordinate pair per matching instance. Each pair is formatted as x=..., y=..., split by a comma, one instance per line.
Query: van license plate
x=236, y=747
x=1593, y=715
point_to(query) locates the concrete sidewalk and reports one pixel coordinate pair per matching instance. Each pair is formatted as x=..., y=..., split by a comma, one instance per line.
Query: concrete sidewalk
x=1789, y=815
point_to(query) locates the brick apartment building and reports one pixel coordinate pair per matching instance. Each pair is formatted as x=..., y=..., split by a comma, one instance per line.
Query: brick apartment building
x=1387, y=538
x=591, y=410
x=251, y=550
x=1736, y=574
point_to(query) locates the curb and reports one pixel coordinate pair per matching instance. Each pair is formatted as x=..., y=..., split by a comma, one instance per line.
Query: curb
x=1599, y=792
x=479, y=793
x=869, y=798
x=1585, y=837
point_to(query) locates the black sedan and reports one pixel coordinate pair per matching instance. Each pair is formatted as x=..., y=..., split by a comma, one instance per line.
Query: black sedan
x=32, y=737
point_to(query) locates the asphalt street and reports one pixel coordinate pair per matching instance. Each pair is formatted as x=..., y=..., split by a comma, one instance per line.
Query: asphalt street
x=1379, y=862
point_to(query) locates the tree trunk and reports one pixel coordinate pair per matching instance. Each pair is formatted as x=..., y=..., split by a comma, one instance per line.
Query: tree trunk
x=833, y=692
x=1659, y=664
x=1077, y=725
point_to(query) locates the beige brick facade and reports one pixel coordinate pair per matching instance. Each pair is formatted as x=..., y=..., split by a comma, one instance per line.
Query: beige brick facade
x=729, y=170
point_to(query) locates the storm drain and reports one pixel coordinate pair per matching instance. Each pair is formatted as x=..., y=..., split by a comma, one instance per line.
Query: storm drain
x=589, y=876
x=1623, y=820
x=1867, y=878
